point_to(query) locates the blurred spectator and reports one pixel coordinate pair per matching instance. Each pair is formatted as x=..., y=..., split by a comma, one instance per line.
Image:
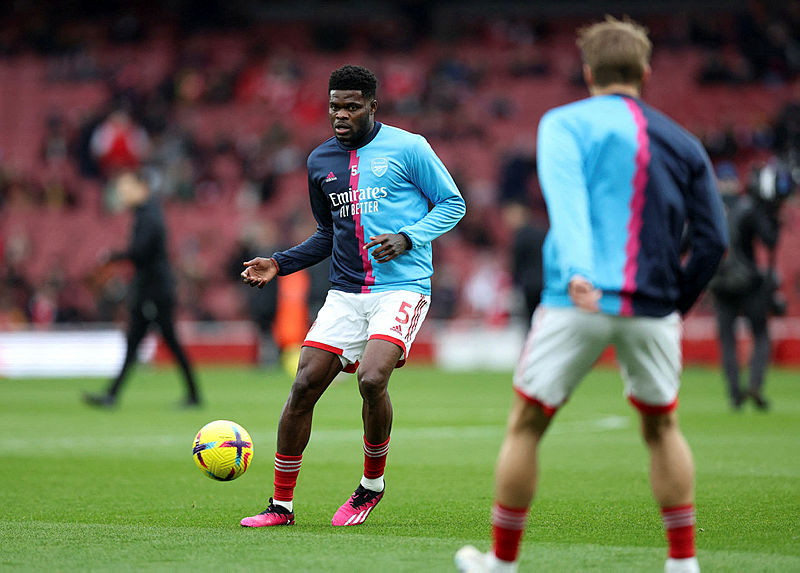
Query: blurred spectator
x=275, y=81
x=170, y=162
x=486, y=291
x=787, y=130
x=44, y=305
x=727, y=182
x=55, y=146
x=767, y=40
x=194, y=277
x=717, y=69
x=402, y=85
x=526, y=254
x=119, y=143
x=261, y=304
x=15, y=289
x=446, y=284
x=58, y=189
x=528, y=61
x=720, y=143
x=517, y=171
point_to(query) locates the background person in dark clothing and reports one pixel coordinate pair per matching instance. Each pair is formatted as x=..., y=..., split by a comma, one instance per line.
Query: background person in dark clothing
x=526, y=253
x=152, y=293
x=740, y=288
x=262, y=304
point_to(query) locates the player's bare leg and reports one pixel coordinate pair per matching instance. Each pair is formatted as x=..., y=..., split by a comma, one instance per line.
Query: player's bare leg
x=377, y=364
x=672, y=480
x=515, y=485
x=671, y=464
x=315, y=372
x=516, y=473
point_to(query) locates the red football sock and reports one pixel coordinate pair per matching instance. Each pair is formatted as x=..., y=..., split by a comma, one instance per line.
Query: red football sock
x=679, y=525
x=286, y=470
x=375, y=458
x=508, y=524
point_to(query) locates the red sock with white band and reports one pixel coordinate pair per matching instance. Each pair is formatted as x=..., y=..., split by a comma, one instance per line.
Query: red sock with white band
x=286, y=470
x=508, y=525
x=679, y=525
x=374, y=464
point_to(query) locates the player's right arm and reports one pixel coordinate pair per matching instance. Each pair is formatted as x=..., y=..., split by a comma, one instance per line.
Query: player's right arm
x=561, y=174
x=316, y=248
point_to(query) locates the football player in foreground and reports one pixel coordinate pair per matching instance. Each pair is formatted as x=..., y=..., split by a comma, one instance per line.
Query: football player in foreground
x=621, y=181
x=369, y=187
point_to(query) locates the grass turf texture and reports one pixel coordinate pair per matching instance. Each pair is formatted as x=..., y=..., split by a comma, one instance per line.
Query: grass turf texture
x=118, y=490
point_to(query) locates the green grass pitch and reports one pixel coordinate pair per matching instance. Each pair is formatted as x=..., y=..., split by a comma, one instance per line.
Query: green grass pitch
x=96, y=490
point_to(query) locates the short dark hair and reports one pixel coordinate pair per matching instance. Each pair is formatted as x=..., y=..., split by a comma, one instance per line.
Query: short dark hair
x=351, y=77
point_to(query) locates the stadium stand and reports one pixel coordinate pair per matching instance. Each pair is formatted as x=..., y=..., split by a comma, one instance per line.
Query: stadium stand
x=232, y=115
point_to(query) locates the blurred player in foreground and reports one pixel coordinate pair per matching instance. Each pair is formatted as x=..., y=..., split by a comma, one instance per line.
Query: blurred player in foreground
x=620, y=181
x=369, y=186
x=152, y=294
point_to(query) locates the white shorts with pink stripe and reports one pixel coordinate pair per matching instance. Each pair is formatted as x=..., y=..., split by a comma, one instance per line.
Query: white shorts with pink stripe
x=564, y=344
x=348, y=320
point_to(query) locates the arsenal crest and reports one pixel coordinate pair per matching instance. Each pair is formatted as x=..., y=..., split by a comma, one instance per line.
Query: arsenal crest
x=379, y=166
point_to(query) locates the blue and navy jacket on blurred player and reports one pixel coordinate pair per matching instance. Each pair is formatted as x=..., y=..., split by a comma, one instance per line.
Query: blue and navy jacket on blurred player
x=383, y=186
x=622, y=183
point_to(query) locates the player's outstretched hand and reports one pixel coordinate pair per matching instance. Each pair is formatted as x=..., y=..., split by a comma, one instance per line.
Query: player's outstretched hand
x=584, y=295
x=391, y=246
x=259, y=271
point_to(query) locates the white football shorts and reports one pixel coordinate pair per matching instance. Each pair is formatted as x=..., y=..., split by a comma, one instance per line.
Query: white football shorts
x=564, y=344
x=347, y=321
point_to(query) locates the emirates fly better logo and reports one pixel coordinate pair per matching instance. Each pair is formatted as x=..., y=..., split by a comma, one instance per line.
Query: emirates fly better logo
x=358, y=201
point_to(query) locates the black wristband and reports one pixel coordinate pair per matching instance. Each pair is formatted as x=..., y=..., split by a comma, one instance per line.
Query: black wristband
x=409, y=244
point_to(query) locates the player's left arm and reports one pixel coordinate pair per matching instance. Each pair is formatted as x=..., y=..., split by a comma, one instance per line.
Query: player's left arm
x=708, y=233
x=431, y=177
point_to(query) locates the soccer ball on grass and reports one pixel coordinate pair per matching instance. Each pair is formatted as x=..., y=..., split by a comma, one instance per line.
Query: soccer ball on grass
x=222, y=450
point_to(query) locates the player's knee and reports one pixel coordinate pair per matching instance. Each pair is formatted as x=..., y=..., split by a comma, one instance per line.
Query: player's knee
x=528, y=417
x=655, y=427
x=305, y=390
x=372, y=382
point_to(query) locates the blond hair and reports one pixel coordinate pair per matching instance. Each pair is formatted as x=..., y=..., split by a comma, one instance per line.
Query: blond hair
x=617, y=51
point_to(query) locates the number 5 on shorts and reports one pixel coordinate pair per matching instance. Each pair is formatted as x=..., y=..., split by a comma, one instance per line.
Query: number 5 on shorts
x=403, y=316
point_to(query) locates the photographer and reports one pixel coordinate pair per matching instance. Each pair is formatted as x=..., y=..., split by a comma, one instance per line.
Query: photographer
x=740, y=288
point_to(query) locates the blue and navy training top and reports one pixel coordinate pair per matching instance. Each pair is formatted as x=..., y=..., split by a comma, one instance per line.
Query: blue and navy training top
x=385, y=185
x=622, y=183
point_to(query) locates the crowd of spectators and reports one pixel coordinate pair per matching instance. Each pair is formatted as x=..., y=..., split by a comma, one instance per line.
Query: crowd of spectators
x=427, y=85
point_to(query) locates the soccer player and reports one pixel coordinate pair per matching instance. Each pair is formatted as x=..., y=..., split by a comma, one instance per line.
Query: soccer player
x=152, y=293
x=621, y=181
x=370, y=186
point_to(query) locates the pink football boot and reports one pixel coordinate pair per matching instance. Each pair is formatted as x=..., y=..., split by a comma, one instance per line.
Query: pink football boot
x=273, y=515
x=356, y=509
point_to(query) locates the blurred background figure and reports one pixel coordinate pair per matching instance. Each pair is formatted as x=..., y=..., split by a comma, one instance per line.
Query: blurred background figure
x=742, y=288
x=262, y=304
x=526, y=253
x=151, y=297
x=119, y=143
